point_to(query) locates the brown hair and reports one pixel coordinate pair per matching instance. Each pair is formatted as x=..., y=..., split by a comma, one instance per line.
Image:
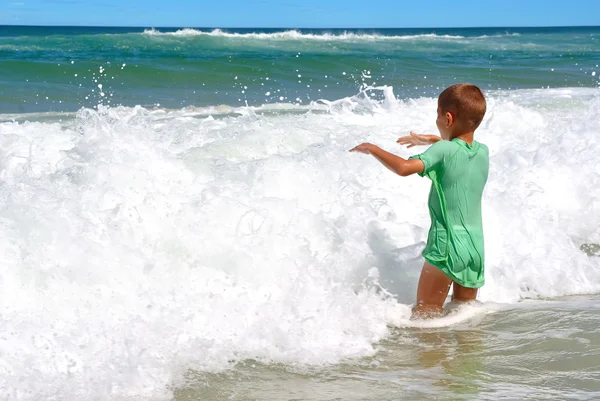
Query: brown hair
x=466, y=102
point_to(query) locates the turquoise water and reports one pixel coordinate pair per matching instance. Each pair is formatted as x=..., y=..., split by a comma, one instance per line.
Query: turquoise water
x=180, y=218
x=59, y=69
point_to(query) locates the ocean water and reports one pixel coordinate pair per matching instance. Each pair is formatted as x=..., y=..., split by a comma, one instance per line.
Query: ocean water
x=181, y=219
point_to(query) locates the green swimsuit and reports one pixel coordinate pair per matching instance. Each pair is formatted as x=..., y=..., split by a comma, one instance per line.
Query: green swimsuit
x=458, y=172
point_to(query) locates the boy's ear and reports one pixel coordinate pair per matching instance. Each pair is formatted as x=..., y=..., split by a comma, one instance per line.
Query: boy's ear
x=449, y=119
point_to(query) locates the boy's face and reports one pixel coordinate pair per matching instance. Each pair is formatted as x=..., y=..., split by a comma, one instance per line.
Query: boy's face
x=444, y=123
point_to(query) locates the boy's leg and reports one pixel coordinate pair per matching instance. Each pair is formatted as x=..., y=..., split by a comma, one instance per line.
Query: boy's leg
x=463, y=294
x=432, y=290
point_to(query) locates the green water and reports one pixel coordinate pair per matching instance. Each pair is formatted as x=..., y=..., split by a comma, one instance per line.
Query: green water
x=58, y=69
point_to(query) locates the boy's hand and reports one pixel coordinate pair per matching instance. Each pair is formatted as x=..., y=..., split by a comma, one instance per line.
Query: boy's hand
x=394, y=163
x=363, y=148
x=417, y=140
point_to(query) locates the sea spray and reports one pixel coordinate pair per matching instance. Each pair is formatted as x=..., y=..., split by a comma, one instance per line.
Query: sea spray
x=141, y=243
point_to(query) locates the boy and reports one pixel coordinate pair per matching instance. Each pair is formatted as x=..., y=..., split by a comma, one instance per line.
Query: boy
x=458, y=168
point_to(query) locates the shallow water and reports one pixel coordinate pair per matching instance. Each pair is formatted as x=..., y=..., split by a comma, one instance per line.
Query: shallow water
x=542, y=350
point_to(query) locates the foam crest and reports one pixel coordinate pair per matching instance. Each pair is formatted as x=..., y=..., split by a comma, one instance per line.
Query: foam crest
x=139, y=244
x=295, y=35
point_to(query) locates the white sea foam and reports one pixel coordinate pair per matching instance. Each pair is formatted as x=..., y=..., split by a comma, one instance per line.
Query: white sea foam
x=137, y=244
x=295, y=35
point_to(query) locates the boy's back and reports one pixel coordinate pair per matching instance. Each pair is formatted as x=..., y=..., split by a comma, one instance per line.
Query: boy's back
x=458, y=172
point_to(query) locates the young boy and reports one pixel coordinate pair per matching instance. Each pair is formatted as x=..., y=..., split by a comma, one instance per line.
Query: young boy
x=457, y=165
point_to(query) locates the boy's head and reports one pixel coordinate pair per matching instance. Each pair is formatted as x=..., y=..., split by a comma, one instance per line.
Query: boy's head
x=461, y=108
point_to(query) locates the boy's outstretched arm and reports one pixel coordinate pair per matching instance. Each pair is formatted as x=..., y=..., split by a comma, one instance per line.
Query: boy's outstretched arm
x=394, y=163
x=418, y=140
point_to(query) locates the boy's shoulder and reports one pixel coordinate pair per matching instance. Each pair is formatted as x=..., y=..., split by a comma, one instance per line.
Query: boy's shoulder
x=450, y=148
x=444, y=145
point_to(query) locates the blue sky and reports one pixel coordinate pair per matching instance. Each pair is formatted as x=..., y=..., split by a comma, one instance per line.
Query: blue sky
x=301, y=13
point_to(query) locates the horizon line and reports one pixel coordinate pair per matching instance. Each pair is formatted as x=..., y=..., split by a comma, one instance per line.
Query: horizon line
x=297, y=27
